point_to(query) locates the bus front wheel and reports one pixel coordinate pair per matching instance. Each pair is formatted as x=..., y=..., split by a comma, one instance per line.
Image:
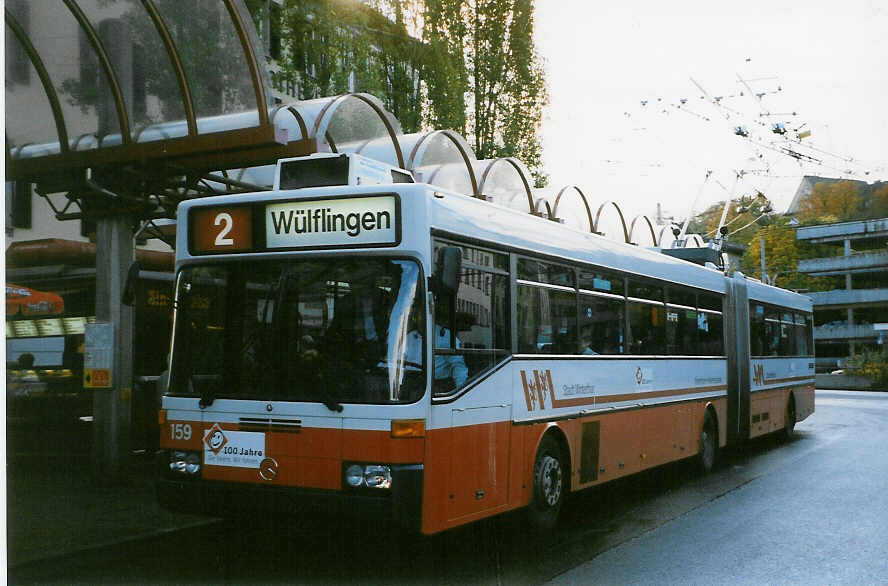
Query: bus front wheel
x=549, y=485
x=708, y=443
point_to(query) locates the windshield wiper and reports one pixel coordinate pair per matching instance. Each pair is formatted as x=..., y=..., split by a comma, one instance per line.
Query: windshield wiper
x=207, y=388
x=333, y=406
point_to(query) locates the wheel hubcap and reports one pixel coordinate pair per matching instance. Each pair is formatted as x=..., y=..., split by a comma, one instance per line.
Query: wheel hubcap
x=550, y=480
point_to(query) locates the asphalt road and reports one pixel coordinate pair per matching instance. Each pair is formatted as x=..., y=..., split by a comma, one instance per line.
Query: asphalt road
x=812, y=511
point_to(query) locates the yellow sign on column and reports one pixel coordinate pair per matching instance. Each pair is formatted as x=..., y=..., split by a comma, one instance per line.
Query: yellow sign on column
x=98, y=356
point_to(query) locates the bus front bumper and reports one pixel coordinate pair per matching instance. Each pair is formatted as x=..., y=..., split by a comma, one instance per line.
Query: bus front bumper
x=402, y=504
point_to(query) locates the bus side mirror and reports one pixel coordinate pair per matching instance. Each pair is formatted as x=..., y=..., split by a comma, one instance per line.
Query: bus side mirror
x=448, y=266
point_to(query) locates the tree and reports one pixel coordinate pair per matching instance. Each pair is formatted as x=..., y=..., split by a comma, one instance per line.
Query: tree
x=834, y=202
x=879, y=207
x=491, y=70
x=332, y=47
x=782, y=255
x=745, y=215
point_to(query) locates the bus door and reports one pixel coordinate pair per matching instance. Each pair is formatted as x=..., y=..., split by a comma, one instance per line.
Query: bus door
x=479, y=462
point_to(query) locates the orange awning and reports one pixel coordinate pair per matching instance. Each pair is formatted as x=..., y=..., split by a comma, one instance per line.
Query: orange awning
x=25, y=301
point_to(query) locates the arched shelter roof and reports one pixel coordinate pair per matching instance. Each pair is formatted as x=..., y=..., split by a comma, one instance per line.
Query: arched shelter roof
x=442, y=158
x=97, y=84
x=572, y=206
x=505, y=181
x=642, y=230
x=357, y=123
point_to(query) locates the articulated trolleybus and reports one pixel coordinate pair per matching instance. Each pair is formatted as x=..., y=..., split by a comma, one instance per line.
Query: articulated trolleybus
x=357, y=341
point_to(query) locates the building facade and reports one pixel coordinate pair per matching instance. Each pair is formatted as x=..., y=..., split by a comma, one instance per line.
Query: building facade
x=853, y=316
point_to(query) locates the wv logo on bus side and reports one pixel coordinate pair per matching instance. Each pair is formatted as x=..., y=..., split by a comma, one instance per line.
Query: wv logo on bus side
x=758, y=374
x=536, y=386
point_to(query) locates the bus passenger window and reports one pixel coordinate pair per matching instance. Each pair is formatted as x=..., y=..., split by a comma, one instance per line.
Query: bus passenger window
x=681, y=331
x=710, y=332
x=772, y=331
x=801, y=335
x=646, y=328
x=546, y=321
x=480, y=325
x=758, y=340
x=601, y=325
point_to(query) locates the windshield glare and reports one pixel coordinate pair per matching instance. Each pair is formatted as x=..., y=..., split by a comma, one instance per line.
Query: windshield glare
x=326, y=330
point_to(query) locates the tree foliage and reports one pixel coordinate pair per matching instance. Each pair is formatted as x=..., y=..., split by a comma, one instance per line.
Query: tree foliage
x=745, y=215
x=879, y=204
x=492, y=72
x=832, y=202
x=332, y=47
x=782, y=255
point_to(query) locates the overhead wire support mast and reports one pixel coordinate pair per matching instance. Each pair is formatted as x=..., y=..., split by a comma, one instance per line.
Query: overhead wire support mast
x=680, y=237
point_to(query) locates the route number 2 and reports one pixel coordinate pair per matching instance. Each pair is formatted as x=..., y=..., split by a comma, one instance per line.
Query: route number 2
x=221, y=229
x=225, y=220
x=180, y=431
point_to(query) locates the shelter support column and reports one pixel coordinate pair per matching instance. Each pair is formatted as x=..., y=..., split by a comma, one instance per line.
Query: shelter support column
x=112, y=408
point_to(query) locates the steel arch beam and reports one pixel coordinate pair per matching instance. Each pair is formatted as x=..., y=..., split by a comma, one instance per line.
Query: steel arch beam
x=622, y=219
x=582, y=198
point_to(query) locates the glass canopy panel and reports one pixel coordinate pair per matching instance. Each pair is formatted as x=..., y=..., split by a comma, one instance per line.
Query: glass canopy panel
x=350, y=123
x=286, y=119
x=570, y=206
x=73, y=66
x=311, y=110
x=452, y=176
x=437, y=147
x=502, y=182
x=141, y=62
x=28, y=114
x=212, y=56
x=610, y=224
x=641, y=233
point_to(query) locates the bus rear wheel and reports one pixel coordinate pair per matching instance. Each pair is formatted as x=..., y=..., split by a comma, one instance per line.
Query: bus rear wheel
x=549, y=485
x=708, y=444
x=789, y=420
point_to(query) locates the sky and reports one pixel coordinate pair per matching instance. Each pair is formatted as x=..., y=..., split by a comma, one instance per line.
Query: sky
x=829, y=58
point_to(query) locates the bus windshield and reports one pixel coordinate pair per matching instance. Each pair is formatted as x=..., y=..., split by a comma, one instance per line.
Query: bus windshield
x=331, y=330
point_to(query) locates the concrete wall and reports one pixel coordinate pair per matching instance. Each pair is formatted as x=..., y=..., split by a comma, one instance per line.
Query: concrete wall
x=861, y=261
x=843, y=297
x=845, y=382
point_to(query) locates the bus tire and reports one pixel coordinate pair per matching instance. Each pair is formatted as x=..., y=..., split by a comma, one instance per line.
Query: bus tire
x=789, y=420
x=549, y=485
x=708, y=443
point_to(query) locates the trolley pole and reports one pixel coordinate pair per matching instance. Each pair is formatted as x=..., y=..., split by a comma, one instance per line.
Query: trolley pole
x=762, y=254
x=112, y=407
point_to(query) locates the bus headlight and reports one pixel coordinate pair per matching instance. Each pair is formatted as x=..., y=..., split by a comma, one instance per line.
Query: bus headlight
x=177, y=461
x=368, y=476
x=354, y=475
x=184, y=463
x=378, y=477
x=192, y=463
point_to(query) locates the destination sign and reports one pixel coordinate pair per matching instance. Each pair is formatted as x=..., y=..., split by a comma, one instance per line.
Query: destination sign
x=359, y=221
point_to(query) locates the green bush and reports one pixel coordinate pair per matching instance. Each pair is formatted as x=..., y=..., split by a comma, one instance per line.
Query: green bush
x=871, y=364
